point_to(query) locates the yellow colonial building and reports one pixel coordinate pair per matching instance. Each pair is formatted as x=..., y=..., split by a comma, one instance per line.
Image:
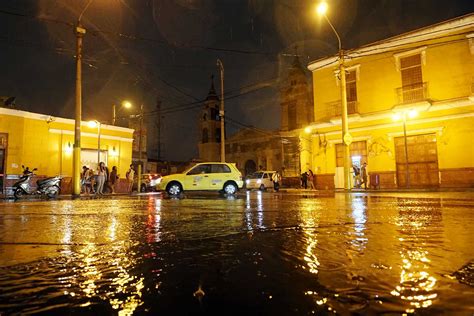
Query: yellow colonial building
x=46, y=143
x=421, y=80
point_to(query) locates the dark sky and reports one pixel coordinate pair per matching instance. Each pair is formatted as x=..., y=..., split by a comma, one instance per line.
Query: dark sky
x=170, y=52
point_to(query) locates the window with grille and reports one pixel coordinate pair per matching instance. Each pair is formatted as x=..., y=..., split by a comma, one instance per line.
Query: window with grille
x=351, y=90
x=412, y=80
x=356, y=149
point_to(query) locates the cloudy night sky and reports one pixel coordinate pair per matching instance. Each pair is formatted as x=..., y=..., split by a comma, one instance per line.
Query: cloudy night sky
x=144, y=50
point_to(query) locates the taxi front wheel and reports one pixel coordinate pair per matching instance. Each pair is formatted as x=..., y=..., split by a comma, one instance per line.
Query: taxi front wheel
x=174, y=188
x=230, y=188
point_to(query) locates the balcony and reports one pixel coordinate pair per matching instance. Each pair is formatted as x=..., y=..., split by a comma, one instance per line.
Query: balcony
x=333, y=109
x=412, y=93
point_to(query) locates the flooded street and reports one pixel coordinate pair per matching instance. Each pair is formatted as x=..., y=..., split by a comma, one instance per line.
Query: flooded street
x=257, y=253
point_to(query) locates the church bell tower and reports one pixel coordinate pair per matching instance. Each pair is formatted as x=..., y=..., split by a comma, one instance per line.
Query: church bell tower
x=209, y=127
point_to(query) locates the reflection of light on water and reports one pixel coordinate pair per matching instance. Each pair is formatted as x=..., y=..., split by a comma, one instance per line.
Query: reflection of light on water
x=310, y=220
x=112, y=228
x=360, y=218
x=89, y=270
x=248, y=212
x=260, y=210
x=416, y=284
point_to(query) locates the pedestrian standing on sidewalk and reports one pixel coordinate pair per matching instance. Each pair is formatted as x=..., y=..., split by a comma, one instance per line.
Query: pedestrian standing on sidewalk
x=113, y=177
x=304, y=180
x=130, y=175
x=276, y=178
x=363, y=171
x=101, y=175
x=311, y=179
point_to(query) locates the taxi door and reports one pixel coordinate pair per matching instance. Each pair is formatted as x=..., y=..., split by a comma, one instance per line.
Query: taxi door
x=220, y=173
x=198, y=178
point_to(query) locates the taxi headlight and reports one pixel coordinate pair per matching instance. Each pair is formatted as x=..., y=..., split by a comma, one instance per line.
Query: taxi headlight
x=247, y=181
x=259, y=181
x=158, y=181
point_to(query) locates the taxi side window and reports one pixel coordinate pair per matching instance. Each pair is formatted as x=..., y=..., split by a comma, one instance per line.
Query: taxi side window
x=200, y=169
x=265, y=175
x=220, y=169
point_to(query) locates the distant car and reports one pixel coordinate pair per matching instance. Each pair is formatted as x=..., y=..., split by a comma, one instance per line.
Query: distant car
x=149, y=181
x=259, y=180
x=205, y=176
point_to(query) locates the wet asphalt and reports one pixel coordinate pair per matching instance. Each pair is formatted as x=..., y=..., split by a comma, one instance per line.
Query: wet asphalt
x=265, y=253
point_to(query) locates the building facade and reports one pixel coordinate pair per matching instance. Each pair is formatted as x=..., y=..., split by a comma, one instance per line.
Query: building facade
x=46, y=143
x=410, y=107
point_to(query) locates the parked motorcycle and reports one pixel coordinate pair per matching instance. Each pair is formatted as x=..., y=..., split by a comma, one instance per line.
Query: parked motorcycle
x=51, y=187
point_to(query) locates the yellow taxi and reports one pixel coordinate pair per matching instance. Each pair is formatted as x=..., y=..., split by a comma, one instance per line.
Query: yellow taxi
x=205, y=176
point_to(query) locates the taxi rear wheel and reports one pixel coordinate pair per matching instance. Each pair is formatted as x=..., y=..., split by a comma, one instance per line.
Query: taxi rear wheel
x=174, y=188
x=230, y=188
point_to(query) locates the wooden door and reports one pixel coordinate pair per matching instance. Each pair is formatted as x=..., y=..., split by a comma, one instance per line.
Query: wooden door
x=422, y=161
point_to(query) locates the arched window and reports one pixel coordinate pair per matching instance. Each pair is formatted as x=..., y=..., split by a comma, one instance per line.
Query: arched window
x=204, y=117
x=205, y=135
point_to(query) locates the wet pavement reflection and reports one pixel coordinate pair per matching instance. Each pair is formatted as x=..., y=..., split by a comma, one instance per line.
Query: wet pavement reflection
x=256, y=253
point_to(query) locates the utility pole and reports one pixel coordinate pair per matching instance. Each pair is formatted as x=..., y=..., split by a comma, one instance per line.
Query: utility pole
x=221, y=112
x=139, y=180
x=76, y=168
x=158, y=110
x=114, y=114
x=76, y=154
x=346, y=137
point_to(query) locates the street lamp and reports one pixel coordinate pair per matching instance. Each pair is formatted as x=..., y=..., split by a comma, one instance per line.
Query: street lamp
x=94, y=124
x=125, y=104
x=346, y=136
x=403, y=115
x=221, y=112
x=76, y=161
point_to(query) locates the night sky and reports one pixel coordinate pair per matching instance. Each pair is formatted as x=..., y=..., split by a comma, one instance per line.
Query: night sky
x=168, y=50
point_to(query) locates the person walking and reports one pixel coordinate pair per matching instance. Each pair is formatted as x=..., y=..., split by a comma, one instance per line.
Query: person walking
x=304, y=180
x=113, y=177
x=101, y=177
x=363, y=172
x=85, y=180
x=357, y=181
x=311, y=179
x=130, y=175
x=276, y=178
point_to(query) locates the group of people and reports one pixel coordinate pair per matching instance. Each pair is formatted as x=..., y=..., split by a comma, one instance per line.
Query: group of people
x=102, y=180
x=360, y=175
x=307, y=180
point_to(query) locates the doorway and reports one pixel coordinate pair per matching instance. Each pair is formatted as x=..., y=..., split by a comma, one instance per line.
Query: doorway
x=422, y=161
x=250, y=167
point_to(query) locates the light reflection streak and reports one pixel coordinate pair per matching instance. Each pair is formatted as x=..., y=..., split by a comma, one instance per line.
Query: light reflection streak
x=359, y=215
x=249, y=217
x=310, y=221
x=416, y=284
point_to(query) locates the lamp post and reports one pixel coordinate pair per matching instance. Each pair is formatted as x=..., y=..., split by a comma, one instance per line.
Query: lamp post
x=403, y=117
x=221, y=112
x=124, y=104
x=346, y=136
x=139, y=179
x=76, y=161
x=93, y=124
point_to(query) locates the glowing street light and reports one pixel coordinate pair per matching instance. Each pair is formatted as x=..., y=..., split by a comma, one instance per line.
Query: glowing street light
x=321, y=9
x=125, y=104
x=403, y=115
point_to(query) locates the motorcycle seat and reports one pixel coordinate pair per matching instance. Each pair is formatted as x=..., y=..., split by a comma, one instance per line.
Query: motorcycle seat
x=40, y=182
